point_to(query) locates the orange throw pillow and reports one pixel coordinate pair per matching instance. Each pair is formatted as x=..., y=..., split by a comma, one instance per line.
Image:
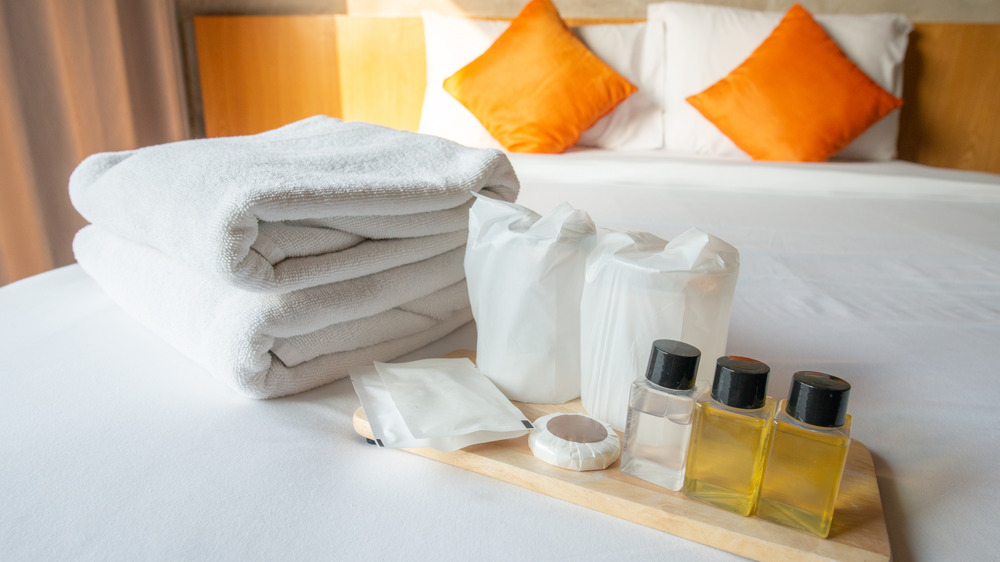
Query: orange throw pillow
x=797, y=98
x=538, y=88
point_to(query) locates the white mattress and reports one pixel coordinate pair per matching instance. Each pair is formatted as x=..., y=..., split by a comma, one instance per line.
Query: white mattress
x=113, y=446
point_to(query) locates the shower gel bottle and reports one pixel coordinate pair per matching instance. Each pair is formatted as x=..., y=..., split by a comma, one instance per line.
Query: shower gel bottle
x=729, y=437
x=810, y=436
x=660, y=405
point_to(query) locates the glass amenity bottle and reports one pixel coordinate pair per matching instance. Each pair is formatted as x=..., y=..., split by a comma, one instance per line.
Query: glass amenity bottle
x=660, y=405
x=729, y=436
x=810, y=436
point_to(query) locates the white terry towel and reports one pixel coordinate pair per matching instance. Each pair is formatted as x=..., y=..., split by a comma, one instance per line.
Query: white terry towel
x=270, y=345
x=314, y=202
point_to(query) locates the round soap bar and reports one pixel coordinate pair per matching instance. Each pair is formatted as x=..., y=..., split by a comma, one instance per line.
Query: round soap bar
x=574, y=441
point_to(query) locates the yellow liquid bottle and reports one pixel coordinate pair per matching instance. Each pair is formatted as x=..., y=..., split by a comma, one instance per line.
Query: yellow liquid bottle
x=810, y=437
x=729, y=437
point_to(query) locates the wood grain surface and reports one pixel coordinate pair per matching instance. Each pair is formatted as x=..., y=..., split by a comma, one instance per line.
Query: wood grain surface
x=262, y=72
x=951, y=93
x=382, y=79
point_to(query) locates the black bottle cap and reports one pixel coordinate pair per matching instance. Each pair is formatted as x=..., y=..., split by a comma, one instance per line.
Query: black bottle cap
x=673, y=364
x=740, y=382
x=818, y=399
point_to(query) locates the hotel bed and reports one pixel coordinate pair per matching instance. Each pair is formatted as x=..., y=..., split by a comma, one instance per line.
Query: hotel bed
x=115, y=446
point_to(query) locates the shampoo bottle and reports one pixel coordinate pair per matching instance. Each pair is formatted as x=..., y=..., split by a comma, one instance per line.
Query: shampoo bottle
x=810, y=436
x=658, y=426
x=729, y=437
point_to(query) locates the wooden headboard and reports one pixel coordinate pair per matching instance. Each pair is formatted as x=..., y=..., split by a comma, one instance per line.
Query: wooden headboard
x=261, y=72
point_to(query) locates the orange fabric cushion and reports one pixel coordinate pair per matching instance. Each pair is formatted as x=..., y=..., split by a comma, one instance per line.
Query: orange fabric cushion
x=538, y=88
x=796, y=98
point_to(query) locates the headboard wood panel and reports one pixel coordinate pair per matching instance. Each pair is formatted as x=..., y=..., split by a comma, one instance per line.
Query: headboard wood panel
x=951, y=89
x=382, y=80
x=260, y=72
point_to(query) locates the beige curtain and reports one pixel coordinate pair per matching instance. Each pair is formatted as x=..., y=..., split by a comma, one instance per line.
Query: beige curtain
x=76, y=77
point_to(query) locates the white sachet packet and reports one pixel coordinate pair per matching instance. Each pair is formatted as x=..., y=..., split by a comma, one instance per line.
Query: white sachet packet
x=444, y=404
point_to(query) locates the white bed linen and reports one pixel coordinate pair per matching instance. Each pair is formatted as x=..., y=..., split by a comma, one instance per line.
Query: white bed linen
x=113, y=446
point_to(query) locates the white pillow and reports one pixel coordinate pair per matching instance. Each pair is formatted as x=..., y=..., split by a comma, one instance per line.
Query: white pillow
x=703, y=44
x=632, y=51
x=451, y=42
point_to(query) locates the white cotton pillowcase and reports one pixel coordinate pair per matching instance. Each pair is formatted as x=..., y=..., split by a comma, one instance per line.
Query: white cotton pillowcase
x=451, y=42
x=703, y=44
x=632, y=51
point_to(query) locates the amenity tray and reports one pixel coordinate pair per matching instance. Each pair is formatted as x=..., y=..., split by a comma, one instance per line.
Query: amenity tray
x=858, y=533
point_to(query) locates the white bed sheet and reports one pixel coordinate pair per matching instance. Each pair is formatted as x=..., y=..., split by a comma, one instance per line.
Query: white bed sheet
x=114, y=446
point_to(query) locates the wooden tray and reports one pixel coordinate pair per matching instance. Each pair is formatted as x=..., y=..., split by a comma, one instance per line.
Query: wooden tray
x=858, y=533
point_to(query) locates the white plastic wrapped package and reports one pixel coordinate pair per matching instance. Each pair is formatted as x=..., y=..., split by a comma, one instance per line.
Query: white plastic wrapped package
x=639, y=289
x=574, y=441
x=445, y=404
x=525, y=276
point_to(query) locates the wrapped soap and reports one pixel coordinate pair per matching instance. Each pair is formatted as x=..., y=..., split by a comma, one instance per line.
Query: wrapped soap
x=574, y=441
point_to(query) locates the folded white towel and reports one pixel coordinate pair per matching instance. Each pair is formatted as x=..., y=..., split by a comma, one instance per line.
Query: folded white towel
x=269, y=345
x=415, y=316
x=313, y=202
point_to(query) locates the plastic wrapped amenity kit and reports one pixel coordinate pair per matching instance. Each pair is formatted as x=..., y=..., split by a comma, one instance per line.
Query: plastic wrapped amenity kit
x=639, y=288
x=445, y=404
x=525, y=277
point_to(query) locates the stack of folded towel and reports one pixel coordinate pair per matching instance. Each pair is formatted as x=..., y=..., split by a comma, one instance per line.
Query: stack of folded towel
x=280, y=260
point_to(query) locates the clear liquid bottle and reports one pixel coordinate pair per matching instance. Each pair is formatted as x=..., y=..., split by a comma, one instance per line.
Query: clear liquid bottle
x=810, y=436
x=729, y=436
x=660, y=405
